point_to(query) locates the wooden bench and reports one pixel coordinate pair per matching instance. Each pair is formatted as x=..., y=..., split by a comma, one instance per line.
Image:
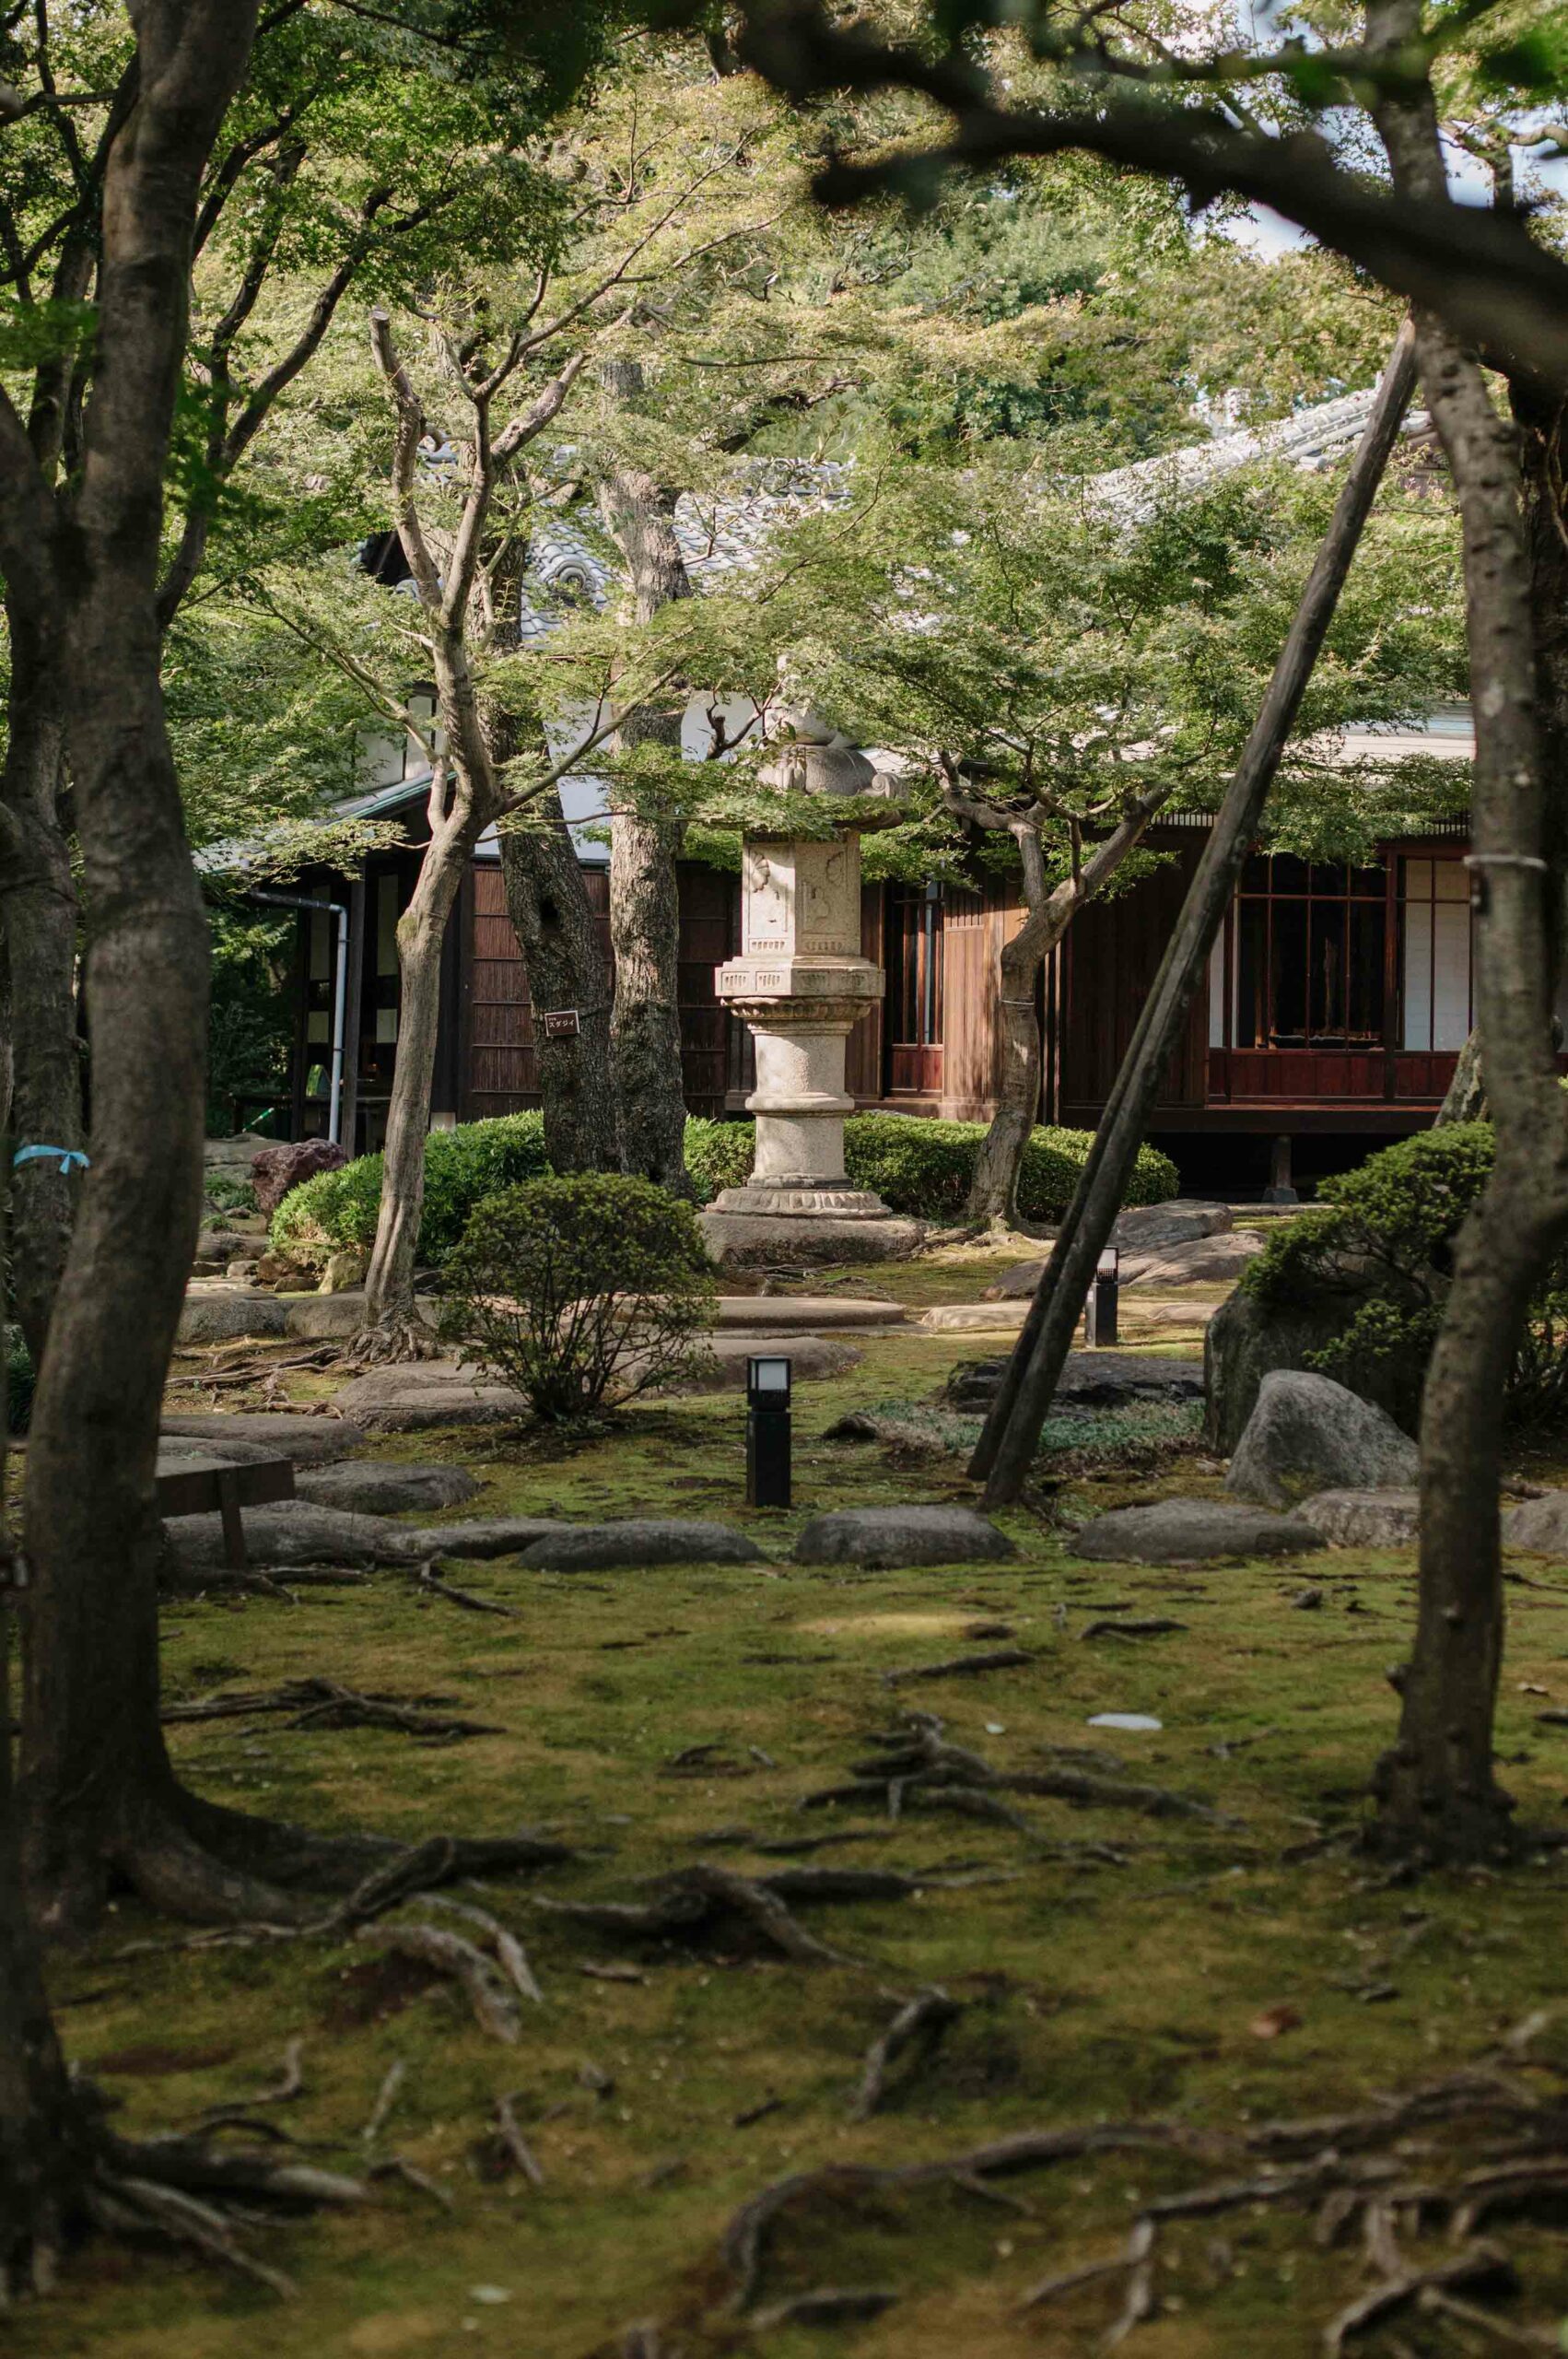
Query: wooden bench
x=201, y=1485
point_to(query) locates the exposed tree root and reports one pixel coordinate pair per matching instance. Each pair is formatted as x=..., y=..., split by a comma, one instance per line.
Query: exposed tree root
x=493, y=2001
x=914, y=1758
x=922, y=2021
x=712, y=1901
x=1353, y=2171
x=327, y=1703
x=431, y=1582
x=962, y=1666
x=401, y=1335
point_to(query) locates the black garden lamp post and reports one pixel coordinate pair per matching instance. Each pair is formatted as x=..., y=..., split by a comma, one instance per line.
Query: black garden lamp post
x=1100, y=1311
x=768, y=1433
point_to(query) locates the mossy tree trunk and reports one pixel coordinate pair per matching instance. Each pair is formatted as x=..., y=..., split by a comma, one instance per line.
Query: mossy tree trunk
x=994, y=1192
x=645, y=844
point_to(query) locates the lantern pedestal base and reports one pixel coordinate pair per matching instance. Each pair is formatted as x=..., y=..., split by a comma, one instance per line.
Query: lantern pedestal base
x=805, y=1239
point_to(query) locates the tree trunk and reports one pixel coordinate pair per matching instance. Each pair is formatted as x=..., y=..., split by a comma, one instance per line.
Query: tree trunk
x=1006, y=1446
x=1437, y=1795
x=994, y=1192
x=43, y=2158
x=564, y=961
x=392, y=1326
x=645, y=843
x=38, y=915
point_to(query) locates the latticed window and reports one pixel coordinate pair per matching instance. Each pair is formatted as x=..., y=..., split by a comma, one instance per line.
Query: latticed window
x=914, y=966
x=1309, y=963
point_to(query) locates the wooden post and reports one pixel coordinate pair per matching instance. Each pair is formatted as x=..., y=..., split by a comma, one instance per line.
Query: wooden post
x=353, y=1016
x=1011, y=1433
x=1281, y=1187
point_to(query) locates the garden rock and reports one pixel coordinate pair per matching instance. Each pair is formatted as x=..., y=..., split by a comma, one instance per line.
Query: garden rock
x=222, y=1245
x=974, y=1318
x=1310, y=1433
x=292, y=1531
x=427, y=1392
x=1191, y=1532
x=721, y=1365
x=503, y=1535
x=739, y=1240
x=386, y=1486
x=326, y=1318
x=1201, y=1261
x=1154, y=1228
x=1089, y=1380
x=1247, y=1338
x=640, y=1540
x=1540, y=1525
x=898, y=1536
x=279, y=1168
x=345, y=1270
x=1364, y=1519
x=267, y=1432
x=223, y=1314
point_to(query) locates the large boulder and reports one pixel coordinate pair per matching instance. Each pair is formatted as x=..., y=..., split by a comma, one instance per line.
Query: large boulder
x=638, y=1541
x=1540, y=1525
x=414, y=1394
x=1192, y=1531
x=279, y=1168
x=1249, y=1336
x=1089, y=1380
x=481, y=1536
x=385, y=1487
x=1198, y=1260
x=224, y=1314
x=1154, y=1228
x=325, y=1318
x=1310, y=1433
x=1364, y=1519
x=898, y=1536
x=244, y=1434
x=292, y=1531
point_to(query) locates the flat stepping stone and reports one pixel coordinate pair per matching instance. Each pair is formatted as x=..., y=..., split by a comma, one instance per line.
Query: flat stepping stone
x=722, y=1367
x=897, y=1536
x=600, y=1547
x=326, y=1318
x=386, y=1486
x=766, y=1313
x=959, y=1317
x=1192, y=1531
x=409, y=1397
x=249, y=1434
x=1112, y=1379
x=482, y=1536
x=1207, y=1261
x=1308, y=1434
x=224, y=1314
x=1364, y=1519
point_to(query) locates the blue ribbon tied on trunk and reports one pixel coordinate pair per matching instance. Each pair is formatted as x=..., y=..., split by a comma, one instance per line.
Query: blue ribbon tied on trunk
x=69, y=1158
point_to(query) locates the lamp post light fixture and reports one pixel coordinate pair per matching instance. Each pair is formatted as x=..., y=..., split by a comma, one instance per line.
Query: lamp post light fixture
x=768, y=1433
x=1100, y=1311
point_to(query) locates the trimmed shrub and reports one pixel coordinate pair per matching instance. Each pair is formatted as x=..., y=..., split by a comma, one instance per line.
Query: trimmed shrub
x=916, y=1166
x=462, y=1168
x=1381, y=1239
x=924, y=1168
x=579, y=1291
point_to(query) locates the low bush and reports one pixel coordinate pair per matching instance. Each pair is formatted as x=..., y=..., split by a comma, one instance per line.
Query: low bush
x=924, y=1168
x=916, y=1166
x=1382, y=1239
x=462, y=1168
x=579, y=1291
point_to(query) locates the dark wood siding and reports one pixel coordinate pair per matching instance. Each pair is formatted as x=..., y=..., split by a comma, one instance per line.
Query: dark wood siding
x=1110, y=957
x=503, y=1073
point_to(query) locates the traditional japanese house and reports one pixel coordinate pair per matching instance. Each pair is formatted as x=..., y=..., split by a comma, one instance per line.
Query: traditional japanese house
x=1338, y=996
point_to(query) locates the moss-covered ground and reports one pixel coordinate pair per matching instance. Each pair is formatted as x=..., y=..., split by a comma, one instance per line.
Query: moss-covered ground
x=1223, y=1974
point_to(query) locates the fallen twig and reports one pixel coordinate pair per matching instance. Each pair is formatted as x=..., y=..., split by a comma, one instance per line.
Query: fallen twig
x=516, y=2144
x=430, y=1581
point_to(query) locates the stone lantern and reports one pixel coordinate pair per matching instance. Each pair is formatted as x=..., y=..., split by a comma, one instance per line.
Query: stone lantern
x=800, y=986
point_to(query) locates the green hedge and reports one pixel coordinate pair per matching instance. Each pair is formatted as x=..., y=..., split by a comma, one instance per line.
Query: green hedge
x=917, y=1166
x=925, y=1167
